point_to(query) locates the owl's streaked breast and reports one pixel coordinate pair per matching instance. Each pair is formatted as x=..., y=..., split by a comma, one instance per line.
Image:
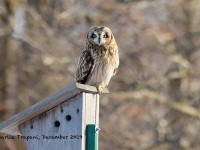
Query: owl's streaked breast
x=102, y=72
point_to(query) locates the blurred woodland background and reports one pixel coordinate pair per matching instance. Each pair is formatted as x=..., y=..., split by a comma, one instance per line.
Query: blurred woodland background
x=154, y=100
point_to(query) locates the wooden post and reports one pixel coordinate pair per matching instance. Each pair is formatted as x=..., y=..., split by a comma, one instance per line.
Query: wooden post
x=58, y=122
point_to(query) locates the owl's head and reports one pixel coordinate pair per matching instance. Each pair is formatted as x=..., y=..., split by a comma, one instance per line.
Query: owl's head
x=100, y=36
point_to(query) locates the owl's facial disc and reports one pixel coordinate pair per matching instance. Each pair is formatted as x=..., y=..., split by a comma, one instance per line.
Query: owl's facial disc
x=99, y=38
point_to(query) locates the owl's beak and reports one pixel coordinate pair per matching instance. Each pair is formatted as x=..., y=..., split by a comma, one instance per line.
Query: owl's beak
x=99, y=41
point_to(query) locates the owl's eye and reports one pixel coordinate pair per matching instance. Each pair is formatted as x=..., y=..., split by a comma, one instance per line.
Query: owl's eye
x=105, y=36
x=94, y=36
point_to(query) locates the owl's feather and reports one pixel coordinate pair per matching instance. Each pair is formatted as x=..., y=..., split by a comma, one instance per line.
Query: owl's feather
x=84, y=66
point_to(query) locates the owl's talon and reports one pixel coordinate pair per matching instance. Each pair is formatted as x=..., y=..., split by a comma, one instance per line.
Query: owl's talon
x=99, y=88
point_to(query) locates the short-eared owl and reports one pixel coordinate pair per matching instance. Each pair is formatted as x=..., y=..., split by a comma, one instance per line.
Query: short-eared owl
x=99, y=60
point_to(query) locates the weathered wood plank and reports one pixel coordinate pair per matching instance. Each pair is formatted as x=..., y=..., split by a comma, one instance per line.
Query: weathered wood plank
x=11, y=125
x=73, y=116
x=90, y=112
x=68, y=132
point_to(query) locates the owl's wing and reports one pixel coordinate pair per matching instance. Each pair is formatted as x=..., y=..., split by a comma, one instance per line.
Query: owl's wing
x=84, y=67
